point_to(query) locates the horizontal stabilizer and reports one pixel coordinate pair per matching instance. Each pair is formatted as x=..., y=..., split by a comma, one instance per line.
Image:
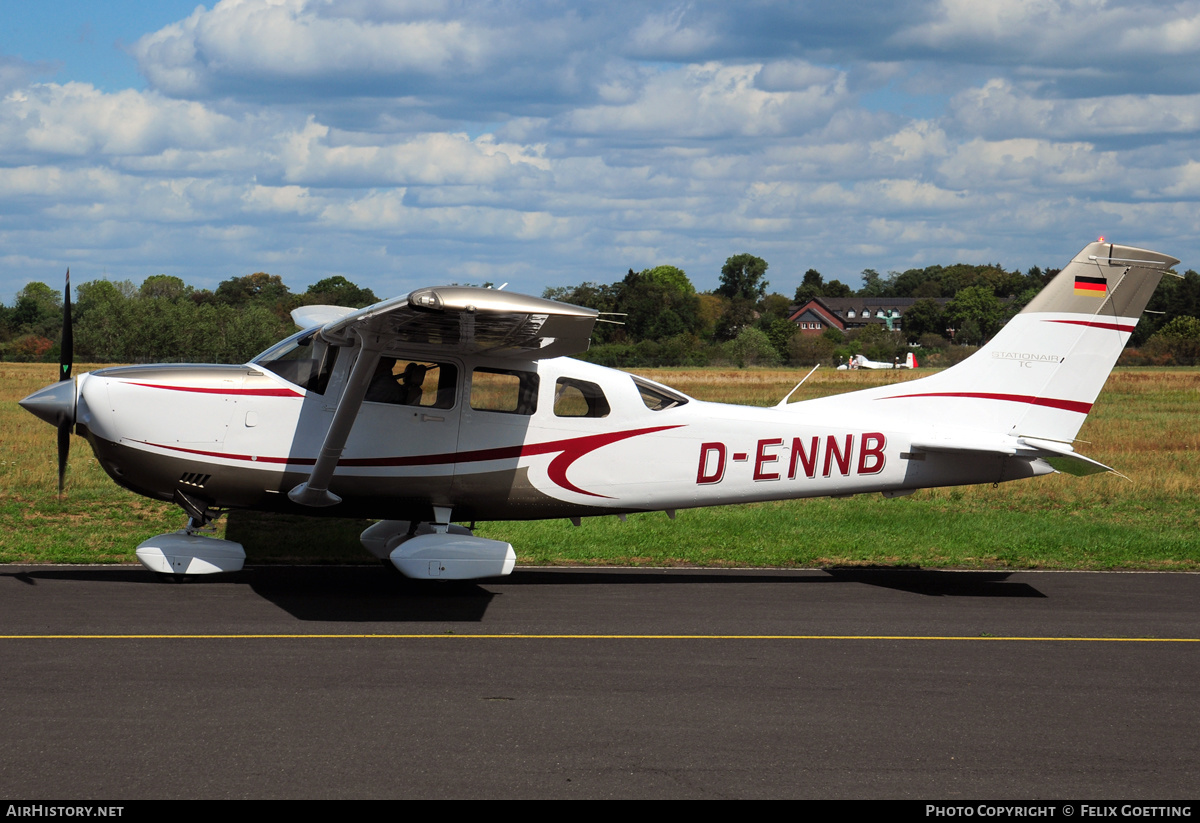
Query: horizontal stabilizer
x=1064, y=459
x=1060, y=456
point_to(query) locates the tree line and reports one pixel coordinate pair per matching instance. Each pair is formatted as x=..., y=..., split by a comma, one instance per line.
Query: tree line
x=654, y=317
x=164, y=319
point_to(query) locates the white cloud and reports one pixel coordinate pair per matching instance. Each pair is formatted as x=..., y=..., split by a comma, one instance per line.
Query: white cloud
x=669, y=35
x=298, y=39
x=712, y=100
x=77, y=119
x=1001, y=109
x=1032, y=166
x=313, y=156
x=1173, y=36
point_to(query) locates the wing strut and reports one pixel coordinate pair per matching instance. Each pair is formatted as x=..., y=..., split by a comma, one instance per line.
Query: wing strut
x=315, y=491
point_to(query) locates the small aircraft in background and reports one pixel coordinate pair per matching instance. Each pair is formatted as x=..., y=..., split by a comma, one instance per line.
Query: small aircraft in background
x=859, y=361
x=450, y=405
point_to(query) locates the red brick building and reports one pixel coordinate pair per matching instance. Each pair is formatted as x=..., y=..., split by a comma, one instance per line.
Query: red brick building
x=845, y=313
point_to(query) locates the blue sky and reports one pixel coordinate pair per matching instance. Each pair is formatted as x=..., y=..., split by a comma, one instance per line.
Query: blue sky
x=403, y=143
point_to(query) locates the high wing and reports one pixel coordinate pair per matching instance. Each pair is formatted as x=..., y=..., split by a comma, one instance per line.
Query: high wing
x=462, y=320
x=441, y=320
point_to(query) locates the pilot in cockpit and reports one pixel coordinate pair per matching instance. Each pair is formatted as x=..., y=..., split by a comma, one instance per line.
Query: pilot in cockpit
x=383, y=388
x=403, y=390
x=410, y=384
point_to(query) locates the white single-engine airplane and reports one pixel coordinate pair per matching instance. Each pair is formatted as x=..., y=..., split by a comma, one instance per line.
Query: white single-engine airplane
x=454, y=403
x=860, y=361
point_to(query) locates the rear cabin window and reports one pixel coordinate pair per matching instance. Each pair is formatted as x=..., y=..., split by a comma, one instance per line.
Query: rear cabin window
x=413, y=383
x=501, y=390
x=656, y=397
x=579, y=398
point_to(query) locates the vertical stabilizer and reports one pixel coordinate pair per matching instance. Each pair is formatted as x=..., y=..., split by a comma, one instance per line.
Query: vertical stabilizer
x=1039, y=376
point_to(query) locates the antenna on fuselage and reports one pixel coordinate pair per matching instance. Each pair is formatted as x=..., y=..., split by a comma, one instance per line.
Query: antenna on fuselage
x=783, y=402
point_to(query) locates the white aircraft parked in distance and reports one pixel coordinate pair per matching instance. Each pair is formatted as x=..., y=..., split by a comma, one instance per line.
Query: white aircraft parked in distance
x=859, y=361
x=457, y=404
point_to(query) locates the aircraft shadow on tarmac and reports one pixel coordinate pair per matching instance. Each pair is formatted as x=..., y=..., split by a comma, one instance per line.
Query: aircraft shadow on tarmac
x=345, y=594
x=352, y=594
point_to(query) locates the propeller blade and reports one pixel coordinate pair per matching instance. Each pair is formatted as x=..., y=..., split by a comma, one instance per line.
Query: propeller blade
x=66, y=357
x=64, y=450
x=57, y=403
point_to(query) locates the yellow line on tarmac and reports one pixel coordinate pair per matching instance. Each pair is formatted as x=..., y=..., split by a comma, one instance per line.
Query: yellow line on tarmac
x=456, y=636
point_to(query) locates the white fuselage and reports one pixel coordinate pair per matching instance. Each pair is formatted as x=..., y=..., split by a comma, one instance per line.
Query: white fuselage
x=241, y=436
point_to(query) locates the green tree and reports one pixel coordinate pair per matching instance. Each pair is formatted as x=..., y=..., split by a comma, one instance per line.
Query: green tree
x=1177, y=342
x=658, y=305
x=811, y=349
x=977, y=305
x=924, y=317
x=338, y=291
x=1174, y=297
x=873, y=285
x=743, y=276
x=164, y=287
x=780, y=332
x=37, y=311
x=260, y=289
x=101, y=320
x=773, y=307
x=751, y=347
x=739, y=315
x=813, y=285
x=836, y=288
x=671, y=278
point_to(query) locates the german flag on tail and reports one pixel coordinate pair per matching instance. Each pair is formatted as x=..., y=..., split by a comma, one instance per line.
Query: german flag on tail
x=1091, y=286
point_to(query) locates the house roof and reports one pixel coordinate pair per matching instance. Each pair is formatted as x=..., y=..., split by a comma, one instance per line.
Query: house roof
x=837, y=310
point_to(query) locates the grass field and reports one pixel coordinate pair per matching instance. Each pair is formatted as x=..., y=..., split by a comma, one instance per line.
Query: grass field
x=1144, y=424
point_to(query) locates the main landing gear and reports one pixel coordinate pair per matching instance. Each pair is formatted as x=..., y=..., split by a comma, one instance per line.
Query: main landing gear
x=439, y=550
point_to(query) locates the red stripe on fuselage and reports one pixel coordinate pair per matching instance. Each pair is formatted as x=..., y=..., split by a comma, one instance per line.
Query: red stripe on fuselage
x=280, y=392
x=571, y=450
x=1094, y=324
x=1051, y=402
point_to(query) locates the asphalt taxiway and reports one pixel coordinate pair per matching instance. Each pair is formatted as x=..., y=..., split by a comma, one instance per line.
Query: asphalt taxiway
x=330, y=682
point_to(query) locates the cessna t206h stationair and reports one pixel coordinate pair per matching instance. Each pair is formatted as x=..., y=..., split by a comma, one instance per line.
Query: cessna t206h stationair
x=458, y=404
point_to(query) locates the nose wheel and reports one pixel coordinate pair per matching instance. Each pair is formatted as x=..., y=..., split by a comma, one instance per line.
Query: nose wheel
x=189, y=551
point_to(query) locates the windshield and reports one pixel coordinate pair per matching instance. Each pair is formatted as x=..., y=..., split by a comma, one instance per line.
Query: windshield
x=302, y=359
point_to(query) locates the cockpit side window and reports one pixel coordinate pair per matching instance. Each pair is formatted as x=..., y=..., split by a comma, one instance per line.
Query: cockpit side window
x=303, y=360
x=413, y=383
x=658, y=398
x=504, y=390
x=579, y=398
